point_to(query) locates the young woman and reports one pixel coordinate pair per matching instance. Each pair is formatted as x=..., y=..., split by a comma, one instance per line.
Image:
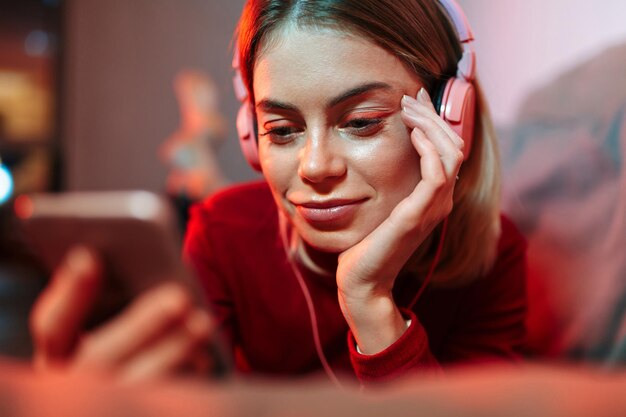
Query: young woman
x=374, y=246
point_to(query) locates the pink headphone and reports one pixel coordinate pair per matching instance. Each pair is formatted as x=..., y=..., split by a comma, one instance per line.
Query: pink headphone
x=455, y=100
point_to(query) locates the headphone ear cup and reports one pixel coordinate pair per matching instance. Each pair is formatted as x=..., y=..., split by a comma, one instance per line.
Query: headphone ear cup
x=246, y=129
x=457, y=108
x=437, y=96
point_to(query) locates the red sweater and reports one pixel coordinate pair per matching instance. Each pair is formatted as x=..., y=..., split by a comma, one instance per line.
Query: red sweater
x=234, y=245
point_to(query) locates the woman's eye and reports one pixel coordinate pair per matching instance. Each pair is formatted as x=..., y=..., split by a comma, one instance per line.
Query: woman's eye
x=281, y=134
x=364, y=127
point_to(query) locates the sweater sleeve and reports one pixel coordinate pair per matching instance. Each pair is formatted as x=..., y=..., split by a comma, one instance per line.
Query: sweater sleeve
x=409, y=353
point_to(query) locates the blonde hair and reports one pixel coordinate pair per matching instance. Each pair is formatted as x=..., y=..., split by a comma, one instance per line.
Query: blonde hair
x=420, y=34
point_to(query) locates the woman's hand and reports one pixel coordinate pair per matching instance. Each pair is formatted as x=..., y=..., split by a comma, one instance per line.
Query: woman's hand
x=159, y=333
x=367, y=271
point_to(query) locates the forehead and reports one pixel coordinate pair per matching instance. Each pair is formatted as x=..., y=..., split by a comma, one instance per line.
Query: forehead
x=307, y=60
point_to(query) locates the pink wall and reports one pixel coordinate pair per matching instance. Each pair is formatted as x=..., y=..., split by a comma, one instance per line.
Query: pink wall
x=524, y=44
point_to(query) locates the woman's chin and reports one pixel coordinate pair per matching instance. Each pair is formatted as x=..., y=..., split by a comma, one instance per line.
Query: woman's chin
x=330, y=242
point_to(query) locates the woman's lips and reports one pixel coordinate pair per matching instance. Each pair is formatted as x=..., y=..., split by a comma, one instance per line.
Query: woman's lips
x=328, y=211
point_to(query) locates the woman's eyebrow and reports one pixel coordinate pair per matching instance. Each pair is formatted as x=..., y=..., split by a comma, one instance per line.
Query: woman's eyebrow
x=269, y=104
x=356, y=91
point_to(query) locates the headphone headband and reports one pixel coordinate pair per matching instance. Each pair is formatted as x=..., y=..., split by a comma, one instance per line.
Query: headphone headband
x=466, y=66
x=458, y=19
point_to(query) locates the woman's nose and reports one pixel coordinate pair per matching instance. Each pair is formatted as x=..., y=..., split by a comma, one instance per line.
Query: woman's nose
x=321, y=158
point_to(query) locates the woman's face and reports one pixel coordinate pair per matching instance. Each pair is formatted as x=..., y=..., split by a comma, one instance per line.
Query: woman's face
x=332, y=146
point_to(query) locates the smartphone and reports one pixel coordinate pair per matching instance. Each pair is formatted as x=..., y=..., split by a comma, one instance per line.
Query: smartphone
x=135, y=233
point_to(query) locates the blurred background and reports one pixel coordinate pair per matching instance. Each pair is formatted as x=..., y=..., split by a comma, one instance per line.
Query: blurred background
x=89, y=96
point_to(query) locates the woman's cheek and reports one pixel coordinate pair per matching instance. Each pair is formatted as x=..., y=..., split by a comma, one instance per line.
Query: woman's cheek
x=279, y=166
x=387, y=154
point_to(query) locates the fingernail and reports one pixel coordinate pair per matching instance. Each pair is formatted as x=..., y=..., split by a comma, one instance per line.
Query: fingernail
x=172, y=299
x=423, y=96
x=79, y=259
x=199, y=324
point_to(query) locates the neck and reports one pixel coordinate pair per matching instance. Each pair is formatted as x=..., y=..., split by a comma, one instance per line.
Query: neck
x=319, y=262
x=322, y=263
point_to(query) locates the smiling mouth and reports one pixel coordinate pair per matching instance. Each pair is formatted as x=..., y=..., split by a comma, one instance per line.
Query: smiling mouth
x=328, y=211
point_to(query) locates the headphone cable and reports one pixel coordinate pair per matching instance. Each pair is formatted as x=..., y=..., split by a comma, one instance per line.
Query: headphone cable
x=310, y=306
x=433, y=265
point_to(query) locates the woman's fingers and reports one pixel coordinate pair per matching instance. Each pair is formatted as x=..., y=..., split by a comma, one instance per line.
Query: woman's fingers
x=176, y=350
x=59, y=313
x=158, y=333
x=432, y=195
x=432, y=166
x=429, y=110
x=420, y=114
x=147, y=319
x=161, y=332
